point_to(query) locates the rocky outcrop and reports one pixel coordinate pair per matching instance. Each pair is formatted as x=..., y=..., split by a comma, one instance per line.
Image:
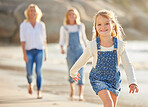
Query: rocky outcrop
x=12, y=14
x=133, y=34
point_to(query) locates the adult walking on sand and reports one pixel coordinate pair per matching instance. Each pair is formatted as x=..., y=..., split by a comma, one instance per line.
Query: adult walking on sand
x=73, y=34
x=33, y=42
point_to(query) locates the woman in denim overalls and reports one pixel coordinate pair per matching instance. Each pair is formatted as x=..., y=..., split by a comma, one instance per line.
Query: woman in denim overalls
x=106, y=51
x=73, y=34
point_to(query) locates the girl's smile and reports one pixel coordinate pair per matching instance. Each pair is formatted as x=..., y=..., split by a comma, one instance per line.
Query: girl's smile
x=104, y=26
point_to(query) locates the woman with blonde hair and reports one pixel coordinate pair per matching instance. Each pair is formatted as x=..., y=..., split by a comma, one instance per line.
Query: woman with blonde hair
x=33, y=42
x=73, y=34
x=106, y=51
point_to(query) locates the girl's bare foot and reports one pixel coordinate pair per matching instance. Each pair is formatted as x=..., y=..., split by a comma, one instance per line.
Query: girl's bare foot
x=30, y=88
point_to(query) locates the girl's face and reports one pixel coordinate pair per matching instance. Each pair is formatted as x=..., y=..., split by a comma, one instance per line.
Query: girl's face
x=32, y=13
x=71, y=16
x=104, y=26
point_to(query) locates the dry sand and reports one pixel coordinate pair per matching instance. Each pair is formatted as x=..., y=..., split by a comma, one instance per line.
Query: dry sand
x=13, y=83
x=11, y=95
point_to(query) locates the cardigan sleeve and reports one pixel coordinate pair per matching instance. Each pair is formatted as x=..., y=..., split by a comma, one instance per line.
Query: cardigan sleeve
x=80, y=62
x=128, y=68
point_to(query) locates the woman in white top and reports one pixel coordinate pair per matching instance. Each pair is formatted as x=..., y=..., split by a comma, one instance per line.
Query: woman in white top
x=33, y=42
x=72, y=33
x=106, y=51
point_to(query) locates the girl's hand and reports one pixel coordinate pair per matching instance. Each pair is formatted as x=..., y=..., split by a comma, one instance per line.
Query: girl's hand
x=77, y=78
x=133, y=88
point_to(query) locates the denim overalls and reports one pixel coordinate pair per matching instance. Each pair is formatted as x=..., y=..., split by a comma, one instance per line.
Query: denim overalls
x=74, y=51
x=106, y=74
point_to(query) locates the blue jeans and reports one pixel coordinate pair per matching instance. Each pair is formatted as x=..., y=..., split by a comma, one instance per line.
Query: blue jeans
x=37, y=56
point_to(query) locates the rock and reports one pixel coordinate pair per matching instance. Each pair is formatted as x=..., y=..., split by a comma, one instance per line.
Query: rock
x=133, y=34
x=124, y=22
x=12, y=15
x=139, y=19
x=141, y=23
x=7, y=26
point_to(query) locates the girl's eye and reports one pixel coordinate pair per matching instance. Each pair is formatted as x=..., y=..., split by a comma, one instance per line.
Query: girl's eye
x=99, y=24
x=107, y=23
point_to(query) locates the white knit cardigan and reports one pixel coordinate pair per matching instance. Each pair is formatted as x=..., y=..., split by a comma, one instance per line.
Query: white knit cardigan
x=91, y=51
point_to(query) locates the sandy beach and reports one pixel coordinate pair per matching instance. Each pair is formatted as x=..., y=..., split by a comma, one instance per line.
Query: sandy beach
x=13, y=91
x=13, y=83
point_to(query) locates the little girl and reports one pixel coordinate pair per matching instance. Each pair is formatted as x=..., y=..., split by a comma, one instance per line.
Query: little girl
x=106, y=50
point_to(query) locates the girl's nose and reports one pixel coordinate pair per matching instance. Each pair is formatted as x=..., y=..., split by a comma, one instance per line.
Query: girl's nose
x=103, y=27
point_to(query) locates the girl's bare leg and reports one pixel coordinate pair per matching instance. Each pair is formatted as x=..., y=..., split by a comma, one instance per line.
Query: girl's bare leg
x=106, y=98
x=114, y=98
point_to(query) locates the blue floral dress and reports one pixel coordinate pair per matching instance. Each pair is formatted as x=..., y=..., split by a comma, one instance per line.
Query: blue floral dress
x=106, y=74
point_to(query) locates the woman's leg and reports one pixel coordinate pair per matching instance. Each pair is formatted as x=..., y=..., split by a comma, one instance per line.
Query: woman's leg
x=114, y=98
x=30, y=88
x=81, y=87
x=29, y=69
x=106, y=98
x=72, y=90
x=70, y=62
x=81, y=84
x=39, y=62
